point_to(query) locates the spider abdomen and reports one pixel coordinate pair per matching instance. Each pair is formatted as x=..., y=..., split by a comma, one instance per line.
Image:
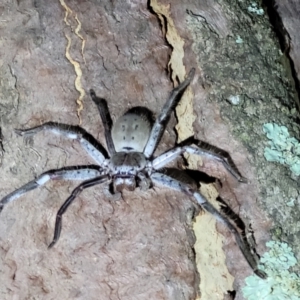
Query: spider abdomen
x=131, y=133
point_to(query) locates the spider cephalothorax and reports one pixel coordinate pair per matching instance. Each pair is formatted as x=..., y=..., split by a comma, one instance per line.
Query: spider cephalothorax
x=131, y=142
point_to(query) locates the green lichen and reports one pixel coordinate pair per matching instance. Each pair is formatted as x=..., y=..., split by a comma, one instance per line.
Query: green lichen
x=282, y=148
x=281, y=284
x=239, y=40
x=253, y=8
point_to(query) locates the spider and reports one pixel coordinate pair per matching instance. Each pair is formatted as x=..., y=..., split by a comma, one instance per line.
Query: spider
x=131, y=142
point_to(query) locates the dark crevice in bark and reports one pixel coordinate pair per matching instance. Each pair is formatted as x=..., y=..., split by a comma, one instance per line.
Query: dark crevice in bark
x=284, y=40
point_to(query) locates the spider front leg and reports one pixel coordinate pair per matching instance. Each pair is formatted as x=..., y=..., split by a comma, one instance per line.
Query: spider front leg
x=163, y=118
x=106, y=120
x=63, y=208
x=249, y=254
x=202, y=149
x=87, y=141
x=69, y=173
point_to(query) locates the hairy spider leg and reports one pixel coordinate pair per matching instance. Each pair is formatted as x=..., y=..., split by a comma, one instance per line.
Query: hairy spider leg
x=106, y=120
x=203, y=149
x=167, y=181
x=70, y=173
x=163, y=118
x=63, y=208
x=87, y=141
x=144, y=181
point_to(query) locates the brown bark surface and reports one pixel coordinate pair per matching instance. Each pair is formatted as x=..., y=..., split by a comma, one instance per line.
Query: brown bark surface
x=136, y=245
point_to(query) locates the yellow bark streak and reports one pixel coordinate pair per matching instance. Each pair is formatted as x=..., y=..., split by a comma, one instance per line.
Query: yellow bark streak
x=76, y=64
x=210, y=257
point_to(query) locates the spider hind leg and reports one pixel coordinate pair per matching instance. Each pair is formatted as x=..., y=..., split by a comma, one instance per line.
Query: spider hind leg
x=241, y=240
x=202, y=149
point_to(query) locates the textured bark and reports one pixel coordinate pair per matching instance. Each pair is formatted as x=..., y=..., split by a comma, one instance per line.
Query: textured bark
x=137, y=245
x=285, y=17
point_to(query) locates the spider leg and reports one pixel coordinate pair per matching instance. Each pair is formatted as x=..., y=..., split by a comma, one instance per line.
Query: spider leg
x=163, y=118
x=202, y=149
x=87, y=141
x=63, y=208
x=106, y=120
x=249, y=254
x=181, y=176
x=69, y=173
x=144, y=181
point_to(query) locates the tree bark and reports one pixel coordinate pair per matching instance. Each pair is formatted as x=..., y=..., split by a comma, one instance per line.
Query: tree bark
x=139, y=245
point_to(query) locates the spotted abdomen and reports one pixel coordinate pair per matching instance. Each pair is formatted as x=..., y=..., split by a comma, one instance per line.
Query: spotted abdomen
x=131, y=132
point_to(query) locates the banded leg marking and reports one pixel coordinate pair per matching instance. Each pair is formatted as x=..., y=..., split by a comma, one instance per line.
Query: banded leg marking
x=63, y=208
x=252, y=259
x=89, y=143
x=204, y=150
x=162, y=120
x=71, y=173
